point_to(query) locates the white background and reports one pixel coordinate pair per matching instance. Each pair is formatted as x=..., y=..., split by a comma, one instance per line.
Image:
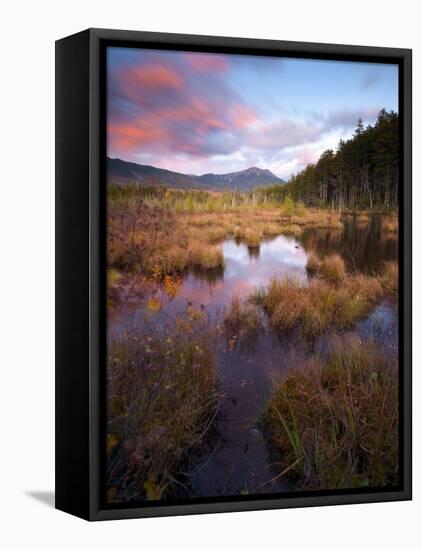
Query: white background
x=27, y=37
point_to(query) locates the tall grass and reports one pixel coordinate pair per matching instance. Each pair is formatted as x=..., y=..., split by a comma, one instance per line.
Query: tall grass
x=208, y=257
x=332, y=269
x=320, y=305
x=163, y=399
x=243, y=320
x=334, y=420
x=312, y=264
x=390, y=279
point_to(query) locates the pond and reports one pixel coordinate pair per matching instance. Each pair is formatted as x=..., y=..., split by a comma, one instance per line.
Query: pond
x=240, y=462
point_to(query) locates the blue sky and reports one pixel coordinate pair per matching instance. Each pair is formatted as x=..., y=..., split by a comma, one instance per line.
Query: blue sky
x=199, y=112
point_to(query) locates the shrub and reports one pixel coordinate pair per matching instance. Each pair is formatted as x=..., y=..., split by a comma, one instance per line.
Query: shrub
x=288, y=207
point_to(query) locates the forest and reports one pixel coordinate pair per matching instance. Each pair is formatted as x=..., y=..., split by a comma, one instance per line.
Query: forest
x=362, y=173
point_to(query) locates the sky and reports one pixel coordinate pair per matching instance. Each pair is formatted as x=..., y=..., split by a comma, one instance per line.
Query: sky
x=198, y=113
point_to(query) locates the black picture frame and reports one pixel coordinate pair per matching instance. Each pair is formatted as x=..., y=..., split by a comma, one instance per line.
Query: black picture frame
x=80, y=270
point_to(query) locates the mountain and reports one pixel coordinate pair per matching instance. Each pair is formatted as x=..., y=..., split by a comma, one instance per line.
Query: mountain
x=243, y=180
x=124, y=173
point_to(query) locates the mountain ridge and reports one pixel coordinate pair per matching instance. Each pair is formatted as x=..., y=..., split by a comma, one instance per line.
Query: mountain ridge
x=123, y=172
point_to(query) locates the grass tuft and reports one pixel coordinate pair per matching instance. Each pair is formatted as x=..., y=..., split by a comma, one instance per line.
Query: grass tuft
x=243, y=320
x=320, y=305
x=390, y=279
x=252, y=237
x=205, y=257
x=162, y=401
x=334, y=420
x=313, y=263
x=390, y=224
x=332, y=269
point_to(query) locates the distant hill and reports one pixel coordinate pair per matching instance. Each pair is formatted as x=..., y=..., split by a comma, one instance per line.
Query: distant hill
x=242, y=180
x=124, y=173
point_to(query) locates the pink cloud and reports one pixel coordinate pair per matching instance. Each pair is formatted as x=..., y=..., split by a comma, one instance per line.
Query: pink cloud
x=307, y=155
x=203, y=63
x=151, y=77
x=130, y=136
x=162, y=108
x=242, y=116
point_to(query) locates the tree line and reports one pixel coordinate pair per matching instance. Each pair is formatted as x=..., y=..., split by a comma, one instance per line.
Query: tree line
x=363, y=172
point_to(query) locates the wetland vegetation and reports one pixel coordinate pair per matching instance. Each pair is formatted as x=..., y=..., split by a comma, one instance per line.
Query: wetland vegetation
x=252, y=275
x=322, y=391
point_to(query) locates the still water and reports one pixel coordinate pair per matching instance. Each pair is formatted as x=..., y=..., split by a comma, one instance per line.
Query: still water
x=240, y=462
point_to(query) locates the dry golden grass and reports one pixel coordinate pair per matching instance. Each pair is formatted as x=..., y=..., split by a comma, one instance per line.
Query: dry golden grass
x=205, y=257
x=243, y=320
x=323, y=219
x=252, y=237
x=321, y=305
x=330, y=221
x=292, y=229
x=142, y=237
x=362, y=218
x=390, y=224
x=334, y=420
x=215, y=234
x=390, y=278
x=313, y=263
x=174, y=260
x=332, y=269
x=272, y=228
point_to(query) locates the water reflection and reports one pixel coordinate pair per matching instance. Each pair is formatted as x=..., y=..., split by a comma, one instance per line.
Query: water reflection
x=208, y=276
x=363, y=246
x=240, y=461
x=254, y=251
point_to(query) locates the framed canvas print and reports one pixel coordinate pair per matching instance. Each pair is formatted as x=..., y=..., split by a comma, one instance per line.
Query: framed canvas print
x=233, y=274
